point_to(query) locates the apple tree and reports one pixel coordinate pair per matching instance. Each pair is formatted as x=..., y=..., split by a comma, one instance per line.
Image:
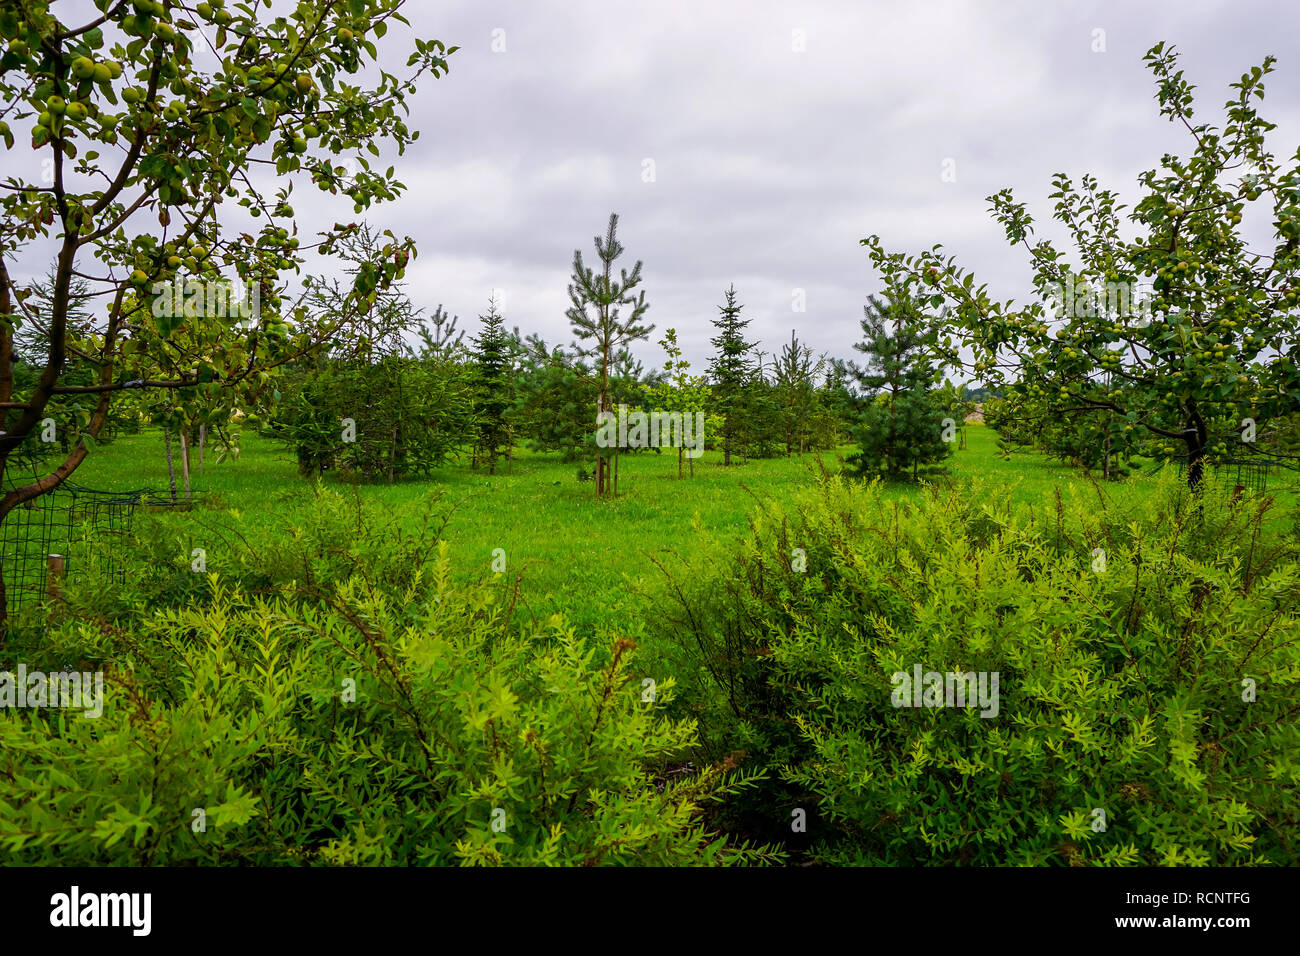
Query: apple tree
x=1165, y=324
x=165, y=141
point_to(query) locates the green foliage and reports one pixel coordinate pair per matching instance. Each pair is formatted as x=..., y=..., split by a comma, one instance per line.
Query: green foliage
x=730, y=369
x=391, y=418
x=555, y=395
x=605, y=313
x=904, y=429
x=493, y=398
x=439, y=337
x=679, y=391
x=1181, y=331
x=1122, y=681
x=1102, y=444
x=372, y=720
x=804, y=420
x=151, y=118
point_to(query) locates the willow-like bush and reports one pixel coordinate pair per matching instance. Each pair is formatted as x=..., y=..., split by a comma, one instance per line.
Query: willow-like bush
x=1148, y=659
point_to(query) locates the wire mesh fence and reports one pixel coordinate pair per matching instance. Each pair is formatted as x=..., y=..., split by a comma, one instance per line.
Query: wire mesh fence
x=77, y=525
x=1235, y=475
x=63, y=522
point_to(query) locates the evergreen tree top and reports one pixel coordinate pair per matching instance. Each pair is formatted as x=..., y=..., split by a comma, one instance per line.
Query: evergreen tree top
x=598, y=299
x=731, y=364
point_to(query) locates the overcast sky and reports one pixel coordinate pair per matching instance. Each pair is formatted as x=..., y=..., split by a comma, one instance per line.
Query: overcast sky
x=771, y=162
x=780, y=134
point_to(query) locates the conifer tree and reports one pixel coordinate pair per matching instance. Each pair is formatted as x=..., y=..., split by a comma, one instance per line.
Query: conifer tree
x=730, y=370
x=901, y=426
x=758, y=413
x=493, y=361
x=554, y=397
x=440, y=337
x=605, y=313
x=795, y=383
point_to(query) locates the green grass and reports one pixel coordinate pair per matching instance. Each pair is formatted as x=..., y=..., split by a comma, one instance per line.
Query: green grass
x=591, y=560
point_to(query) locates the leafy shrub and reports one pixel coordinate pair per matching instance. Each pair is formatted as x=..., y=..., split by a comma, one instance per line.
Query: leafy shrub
x=1121, y=684
x=383, y=720
x=319, y=540
x=408, y=414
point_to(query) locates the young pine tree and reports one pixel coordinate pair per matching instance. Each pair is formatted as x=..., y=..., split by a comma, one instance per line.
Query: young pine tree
x=901, y=425
x=597, y=316
x=493, y=362
x=439, y=337
x=795, y=385
x=730, y=370
x=554, y=394
x=758, y=412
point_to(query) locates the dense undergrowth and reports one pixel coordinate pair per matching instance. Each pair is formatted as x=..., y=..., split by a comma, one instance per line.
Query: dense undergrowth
x=327, y=692
x=1148, y=660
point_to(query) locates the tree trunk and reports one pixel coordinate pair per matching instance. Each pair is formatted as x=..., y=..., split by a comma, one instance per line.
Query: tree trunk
x=171, y=469
x=1195, y=471
x=4, y=590
x=1196, y=437
x=203, y=435
x=185, y=462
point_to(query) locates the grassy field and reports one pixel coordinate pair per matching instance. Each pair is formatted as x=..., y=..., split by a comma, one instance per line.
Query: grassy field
x=553, y=532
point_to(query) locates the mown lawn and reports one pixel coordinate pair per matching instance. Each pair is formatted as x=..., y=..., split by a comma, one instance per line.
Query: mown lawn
x=591, y=560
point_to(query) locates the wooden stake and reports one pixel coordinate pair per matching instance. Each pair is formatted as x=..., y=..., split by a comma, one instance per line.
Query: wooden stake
x=171, y=469
x=185, y=460
x=55, y=565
